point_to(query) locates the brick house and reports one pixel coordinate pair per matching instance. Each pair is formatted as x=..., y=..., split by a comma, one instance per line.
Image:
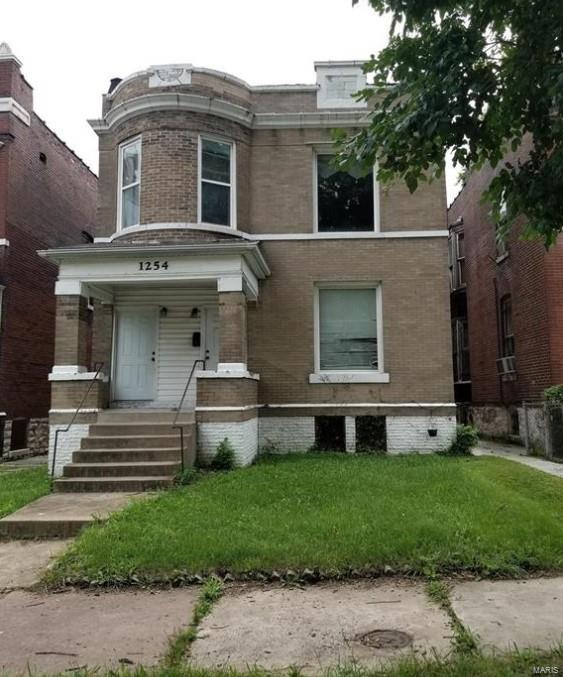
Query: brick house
x=318, y=302
x=507, y=318
x=47, y=198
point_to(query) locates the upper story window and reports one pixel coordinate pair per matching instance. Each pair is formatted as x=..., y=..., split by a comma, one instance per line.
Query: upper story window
x=129, y=199
x=457, y=259
x=348, y=329
x=346, y=201
x=216, y=194
x=507, y=333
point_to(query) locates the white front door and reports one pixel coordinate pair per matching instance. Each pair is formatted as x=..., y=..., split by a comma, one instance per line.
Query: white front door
x=135, y=355
x=211, y=333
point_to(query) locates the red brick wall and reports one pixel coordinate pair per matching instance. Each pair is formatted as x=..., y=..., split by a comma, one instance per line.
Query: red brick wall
x=534, y=278
x=44, y=205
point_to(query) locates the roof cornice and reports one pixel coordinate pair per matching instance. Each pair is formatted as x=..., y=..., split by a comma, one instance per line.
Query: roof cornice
x=195, y=103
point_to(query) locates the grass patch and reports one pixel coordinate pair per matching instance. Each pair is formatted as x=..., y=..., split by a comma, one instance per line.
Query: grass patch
x=337, y=513
x=513, y=664
x=19, y=487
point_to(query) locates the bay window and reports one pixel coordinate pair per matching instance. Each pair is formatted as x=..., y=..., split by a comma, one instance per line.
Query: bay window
x=216, y=190
x=129, y=199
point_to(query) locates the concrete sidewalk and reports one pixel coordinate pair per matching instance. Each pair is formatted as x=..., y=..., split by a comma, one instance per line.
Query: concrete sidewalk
x=516, y=453
x=274, y=626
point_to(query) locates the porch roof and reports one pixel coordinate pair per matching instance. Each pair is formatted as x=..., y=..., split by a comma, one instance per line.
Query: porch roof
x=250, y=251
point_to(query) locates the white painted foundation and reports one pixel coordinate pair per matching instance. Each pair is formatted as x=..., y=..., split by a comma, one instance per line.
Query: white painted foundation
x=410, y=433
x=286, y=434
x=243, y=435
x=68, y=443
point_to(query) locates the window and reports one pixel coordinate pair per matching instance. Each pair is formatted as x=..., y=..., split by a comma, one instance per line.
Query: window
x=346, y=200
x=216, y=183
x=507, y=334
x=129, y=183
x=348, y=329
x=457, y=259
x=461, y=351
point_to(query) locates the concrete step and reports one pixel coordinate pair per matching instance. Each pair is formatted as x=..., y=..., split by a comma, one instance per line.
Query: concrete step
x=142, y=416
x=60, y=515
x=137, y=428
x=111, y=484
x=145, y=455
x=130, y=442
x=141, y=469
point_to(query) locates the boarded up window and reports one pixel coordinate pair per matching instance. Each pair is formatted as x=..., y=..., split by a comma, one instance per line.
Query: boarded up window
x=330, y=433
x=371, y=436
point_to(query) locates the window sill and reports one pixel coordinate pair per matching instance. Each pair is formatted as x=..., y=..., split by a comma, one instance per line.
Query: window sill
x=349, y=377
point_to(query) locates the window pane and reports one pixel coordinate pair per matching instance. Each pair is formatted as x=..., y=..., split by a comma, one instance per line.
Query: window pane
x=348, y=329
x=130, y=207
x=215, y=204
x=130, y=164
x=216, y=161
x=345, y=199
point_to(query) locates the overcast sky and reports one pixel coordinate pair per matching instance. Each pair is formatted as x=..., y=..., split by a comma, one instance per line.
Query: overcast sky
x=71, y=49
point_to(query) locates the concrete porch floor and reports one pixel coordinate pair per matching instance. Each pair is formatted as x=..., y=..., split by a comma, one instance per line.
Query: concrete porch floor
x=61, y=515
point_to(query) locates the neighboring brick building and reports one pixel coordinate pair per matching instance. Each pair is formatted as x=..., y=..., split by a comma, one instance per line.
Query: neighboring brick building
x=512, y=345
x=319, y=302
x=47, y=198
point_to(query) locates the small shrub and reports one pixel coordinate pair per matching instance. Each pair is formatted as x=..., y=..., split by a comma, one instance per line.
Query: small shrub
x=466, y=437
x=554, y=395
x=224, y=458
x=186, y=476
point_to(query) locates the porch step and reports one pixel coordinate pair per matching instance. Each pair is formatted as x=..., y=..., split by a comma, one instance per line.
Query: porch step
x=145, y=455
x=109, y=470
x=130, y=441
x=142, y=416
x=123, y=429
x=110, y=484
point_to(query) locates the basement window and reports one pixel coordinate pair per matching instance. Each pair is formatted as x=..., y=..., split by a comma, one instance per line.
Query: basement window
x=371, y=434
x=330, y=433
x=18, y=439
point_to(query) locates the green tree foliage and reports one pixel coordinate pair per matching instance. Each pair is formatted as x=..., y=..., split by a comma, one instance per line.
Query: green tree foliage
x=475, y=78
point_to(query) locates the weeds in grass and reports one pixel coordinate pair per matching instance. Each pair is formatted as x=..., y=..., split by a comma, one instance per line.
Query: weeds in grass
x=180, y=644
x=465, y=642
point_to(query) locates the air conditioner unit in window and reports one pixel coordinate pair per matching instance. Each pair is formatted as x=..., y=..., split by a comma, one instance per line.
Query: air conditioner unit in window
x=506, y=365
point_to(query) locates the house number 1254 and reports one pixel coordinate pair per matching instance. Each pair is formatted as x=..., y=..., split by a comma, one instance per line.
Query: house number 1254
x=153, y=265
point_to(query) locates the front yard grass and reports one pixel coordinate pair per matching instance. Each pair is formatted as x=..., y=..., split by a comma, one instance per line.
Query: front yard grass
x=19, y=487
x=338, y=513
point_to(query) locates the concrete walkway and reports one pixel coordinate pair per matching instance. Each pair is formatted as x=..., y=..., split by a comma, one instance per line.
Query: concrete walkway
x=61, y=515
x=273, y=626
x=518, y=454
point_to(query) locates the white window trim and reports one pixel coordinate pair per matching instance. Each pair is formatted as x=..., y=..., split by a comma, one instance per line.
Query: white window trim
x=376, y=216
x=121, y=187
x=353, y=376
x=232, y=185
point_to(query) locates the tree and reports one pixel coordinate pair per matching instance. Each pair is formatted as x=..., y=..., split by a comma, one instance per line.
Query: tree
x=473, y=78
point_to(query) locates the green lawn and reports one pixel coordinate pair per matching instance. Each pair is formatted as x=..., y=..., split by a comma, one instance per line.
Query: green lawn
x=18, y=487
x=423, y=514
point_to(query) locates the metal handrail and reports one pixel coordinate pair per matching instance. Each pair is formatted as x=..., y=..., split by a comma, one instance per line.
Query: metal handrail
x=175, y=423
x=98, y=366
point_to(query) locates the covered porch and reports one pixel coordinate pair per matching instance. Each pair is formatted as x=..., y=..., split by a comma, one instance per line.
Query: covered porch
x=134, y=321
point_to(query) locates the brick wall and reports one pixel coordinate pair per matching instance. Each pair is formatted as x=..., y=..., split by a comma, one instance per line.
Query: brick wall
x=42, y=204
x=533, y=277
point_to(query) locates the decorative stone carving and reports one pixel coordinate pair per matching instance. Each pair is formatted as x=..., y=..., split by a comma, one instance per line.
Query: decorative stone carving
x=170, y=75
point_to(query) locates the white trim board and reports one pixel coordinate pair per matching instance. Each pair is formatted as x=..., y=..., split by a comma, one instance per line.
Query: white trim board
x=257, y=237
x=313, y=405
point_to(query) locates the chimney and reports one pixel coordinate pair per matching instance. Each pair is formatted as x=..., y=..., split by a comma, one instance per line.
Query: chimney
x=13, y=86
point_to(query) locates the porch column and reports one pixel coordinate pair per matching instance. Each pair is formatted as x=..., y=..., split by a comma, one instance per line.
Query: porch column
x=233, y=349
x=102, y=333
x=71, y=337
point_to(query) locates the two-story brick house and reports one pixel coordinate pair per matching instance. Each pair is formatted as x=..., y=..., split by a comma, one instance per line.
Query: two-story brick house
x=318, y=301
x=47, y=199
